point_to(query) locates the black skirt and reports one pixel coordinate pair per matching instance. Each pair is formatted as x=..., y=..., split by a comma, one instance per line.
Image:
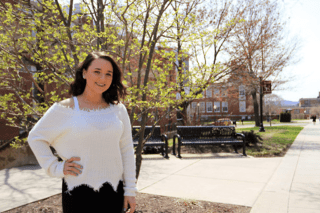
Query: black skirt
x=85, y=199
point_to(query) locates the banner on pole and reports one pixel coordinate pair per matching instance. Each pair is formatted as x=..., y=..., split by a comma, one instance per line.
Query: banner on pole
x=266, y=86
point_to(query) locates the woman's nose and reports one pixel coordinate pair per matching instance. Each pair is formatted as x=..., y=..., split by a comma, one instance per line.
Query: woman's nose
x=103, y=77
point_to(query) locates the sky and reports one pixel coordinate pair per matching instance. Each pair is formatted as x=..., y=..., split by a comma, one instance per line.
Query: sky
x=305, y=23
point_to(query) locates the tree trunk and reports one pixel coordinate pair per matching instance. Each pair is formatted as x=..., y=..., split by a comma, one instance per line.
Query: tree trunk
x=144, y=95
x=184, y=114
x=140, y=144
x=256, y=107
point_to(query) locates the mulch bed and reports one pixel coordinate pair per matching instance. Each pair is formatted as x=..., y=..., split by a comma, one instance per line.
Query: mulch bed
x=149, y=202
x=145, y=203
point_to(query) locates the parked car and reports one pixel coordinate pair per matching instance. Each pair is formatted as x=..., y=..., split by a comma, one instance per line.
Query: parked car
x=222, y=122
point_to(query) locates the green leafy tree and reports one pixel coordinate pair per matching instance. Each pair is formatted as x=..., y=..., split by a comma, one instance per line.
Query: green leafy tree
x=46, y=40
x=203, y=29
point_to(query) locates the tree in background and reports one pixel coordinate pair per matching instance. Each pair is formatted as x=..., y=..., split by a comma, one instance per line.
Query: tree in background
x=213, y=28
x=261, y=45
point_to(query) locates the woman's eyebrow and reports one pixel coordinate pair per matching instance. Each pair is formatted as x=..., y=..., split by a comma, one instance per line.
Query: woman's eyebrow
x=100, y=69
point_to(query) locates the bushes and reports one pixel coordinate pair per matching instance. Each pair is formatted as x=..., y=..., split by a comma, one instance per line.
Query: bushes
x=252, y=138
x=152, y=150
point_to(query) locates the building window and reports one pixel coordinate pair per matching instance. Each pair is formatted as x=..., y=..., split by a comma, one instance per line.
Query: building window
x=209, y=106
x=216, y=92
x=296, y=111
x=307, y=111
x=224, y=106
x=242, y=106
x=242, y=94
x=202, y=107
x=307, y=102
x=193, y=105
x=223, y=92
x=216, y=106
x=209, y=93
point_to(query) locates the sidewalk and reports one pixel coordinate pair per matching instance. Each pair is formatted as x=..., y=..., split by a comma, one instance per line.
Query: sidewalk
x=272, y=185
x=295, y=186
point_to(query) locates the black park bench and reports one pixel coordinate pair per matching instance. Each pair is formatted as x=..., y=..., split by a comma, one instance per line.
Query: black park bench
x=156, y=139
x=205, y=135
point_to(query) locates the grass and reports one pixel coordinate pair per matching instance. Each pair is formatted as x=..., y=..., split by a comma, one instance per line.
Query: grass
x=276, y=140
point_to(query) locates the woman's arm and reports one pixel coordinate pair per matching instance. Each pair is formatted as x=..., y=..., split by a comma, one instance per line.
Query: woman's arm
x=127, y=153
x=42, y=135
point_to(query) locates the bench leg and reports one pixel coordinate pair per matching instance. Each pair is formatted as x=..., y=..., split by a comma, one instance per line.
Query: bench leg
x=174, y=146
x=179, y=148
x=244, y=149
x=166, y=150
x=235, y=148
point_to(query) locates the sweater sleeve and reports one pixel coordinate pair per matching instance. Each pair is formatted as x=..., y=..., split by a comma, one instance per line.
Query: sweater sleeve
x=41, y=137
x=127, y=153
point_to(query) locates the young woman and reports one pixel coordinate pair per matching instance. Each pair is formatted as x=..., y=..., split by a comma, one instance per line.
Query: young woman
x=91, y=132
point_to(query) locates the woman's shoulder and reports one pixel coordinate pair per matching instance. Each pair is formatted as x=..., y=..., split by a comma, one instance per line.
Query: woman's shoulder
x=68, y=103
x=120, y=106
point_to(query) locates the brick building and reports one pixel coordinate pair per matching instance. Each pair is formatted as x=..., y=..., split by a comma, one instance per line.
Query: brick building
x=307, y=107
x=222, y=100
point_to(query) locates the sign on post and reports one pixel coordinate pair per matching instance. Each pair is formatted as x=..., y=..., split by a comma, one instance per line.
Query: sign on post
x=266, y=87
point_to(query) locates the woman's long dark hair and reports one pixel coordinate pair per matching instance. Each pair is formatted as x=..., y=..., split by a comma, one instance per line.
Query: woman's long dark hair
x=116, y=90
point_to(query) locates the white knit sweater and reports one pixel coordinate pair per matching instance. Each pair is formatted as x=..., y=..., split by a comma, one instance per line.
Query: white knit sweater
x=101, y=138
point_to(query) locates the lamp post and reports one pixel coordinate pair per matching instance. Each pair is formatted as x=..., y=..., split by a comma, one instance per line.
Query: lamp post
x=261, y=110
x=198, y=104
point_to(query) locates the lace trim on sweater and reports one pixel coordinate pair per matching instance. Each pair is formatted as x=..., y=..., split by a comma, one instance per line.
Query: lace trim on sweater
x=86, y=110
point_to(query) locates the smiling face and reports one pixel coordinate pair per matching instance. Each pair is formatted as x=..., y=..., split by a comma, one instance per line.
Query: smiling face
x=98, y=76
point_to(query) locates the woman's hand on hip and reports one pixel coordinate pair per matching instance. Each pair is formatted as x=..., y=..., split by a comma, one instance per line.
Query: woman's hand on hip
x=131, y=201
x=71, y=168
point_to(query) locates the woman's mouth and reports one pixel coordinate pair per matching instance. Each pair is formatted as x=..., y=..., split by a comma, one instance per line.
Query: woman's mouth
x=100, y=85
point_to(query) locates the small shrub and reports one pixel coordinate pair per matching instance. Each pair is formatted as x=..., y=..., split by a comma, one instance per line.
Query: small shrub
x=152, y=150
x=285, y=117
x=252, y=138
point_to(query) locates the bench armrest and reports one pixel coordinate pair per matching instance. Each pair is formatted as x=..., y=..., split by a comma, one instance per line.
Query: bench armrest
x=164, y=136
x=241, y=135
x=176, y=135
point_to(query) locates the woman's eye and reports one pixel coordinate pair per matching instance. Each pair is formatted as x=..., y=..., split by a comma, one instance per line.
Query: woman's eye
x=96, y=71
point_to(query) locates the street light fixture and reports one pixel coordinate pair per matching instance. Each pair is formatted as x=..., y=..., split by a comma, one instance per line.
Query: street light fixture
x=261, y=110
x=198, y=104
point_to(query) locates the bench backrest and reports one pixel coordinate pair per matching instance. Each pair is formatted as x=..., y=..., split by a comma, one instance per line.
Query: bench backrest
x=206, y=132
x=155, y=136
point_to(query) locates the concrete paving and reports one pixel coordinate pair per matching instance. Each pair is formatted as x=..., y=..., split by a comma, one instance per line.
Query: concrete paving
x=282, y=184
x=295, y=185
